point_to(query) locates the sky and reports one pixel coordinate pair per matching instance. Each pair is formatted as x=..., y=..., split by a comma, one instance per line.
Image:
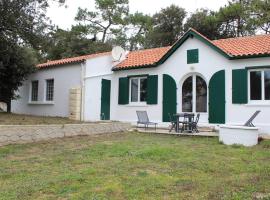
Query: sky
x=64, y=16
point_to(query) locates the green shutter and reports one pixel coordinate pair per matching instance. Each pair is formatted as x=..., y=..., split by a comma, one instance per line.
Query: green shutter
x=169, y=97
x=123, y=91
x=105, y=99
x=217, y=98
x=192, y=56
x=152, y=89
x=239, y=86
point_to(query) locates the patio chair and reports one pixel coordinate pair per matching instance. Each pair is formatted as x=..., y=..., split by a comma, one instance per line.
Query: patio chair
x=173, y=122
x=143, y=119
x=249, y=122
x=194, y=124
x=188, y=122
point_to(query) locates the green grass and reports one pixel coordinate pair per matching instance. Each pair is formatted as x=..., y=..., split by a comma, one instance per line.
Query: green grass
x=134, y=166
x=16, y=119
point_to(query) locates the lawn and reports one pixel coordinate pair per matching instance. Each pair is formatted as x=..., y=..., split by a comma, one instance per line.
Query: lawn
x=16, y=119
x=134, y=166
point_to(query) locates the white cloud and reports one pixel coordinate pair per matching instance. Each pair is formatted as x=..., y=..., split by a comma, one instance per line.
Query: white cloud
x=64, y=17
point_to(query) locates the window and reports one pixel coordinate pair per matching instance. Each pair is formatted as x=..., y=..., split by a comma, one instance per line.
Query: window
x=138, y=89
x=187, y=95
x=259, y=85
x=194, y=94
x=34, y=92
x=49, y=89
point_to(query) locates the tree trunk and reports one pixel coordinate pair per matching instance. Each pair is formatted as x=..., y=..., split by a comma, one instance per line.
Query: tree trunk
x=8, y=102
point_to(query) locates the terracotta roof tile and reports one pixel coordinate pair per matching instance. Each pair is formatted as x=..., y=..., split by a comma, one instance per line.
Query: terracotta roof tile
x=245, y=46
x=142, y=58
x=234, y=47
x=71, y=60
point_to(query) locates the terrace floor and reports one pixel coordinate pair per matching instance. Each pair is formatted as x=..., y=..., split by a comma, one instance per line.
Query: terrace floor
x=202, y=133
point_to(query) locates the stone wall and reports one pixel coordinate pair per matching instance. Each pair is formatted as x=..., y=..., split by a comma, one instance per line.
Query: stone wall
x=16, y=134
x=75, y=104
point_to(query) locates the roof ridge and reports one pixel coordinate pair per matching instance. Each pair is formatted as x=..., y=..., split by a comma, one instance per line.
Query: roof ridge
x=139, y=50
x=242, y=37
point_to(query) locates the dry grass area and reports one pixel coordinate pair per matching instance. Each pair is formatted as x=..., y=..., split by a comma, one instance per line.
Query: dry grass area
x=16, y=119
x=134, y=166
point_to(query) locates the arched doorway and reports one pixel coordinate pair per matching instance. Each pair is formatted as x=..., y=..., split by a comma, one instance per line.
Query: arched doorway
x=194, y=94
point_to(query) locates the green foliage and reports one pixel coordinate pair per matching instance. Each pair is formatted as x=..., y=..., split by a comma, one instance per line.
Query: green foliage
x=16, y=63
x=23, y=27
x=109, y=13
x=168, y=26
x=205, y=22
x=132, y=34
x=260, y=14
x=235, y=19
x=72, y=43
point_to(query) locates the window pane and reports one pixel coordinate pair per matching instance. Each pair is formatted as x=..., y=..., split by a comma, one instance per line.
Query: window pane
x=143, y=89
x=267, y=84
x=49, y=89
x=256, y=85
x=34, y=96
x=201, y=95
x=134, y=90
x=187, y=95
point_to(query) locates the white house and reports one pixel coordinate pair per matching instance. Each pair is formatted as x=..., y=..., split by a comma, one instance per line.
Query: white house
x=225, y=80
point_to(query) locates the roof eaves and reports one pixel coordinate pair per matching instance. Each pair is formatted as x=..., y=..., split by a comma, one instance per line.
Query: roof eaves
x=44, y=66
x=250, y=56
x=134, y=67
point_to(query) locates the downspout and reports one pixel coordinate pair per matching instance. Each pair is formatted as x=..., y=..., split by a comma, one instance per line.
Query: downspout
x=83, y=64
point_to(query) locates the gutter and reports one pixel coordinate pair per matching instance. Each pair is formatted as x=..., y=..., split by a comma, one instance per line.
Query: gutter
x=82, y=91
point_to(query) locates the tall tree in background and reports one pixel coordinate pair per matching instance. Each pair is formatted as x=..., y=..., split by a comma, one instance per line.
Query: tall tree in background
x=108, y=15
x=138, y=25
x=235, y=19
x=72, y=43
x=260, y=15
x=168, y=26
x=23, y=27
x=205, y=22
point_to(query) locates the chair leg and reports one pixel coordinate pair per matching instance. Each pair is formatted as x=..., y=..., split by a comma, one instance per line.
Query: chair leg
x=173, y=126
x=183, y=127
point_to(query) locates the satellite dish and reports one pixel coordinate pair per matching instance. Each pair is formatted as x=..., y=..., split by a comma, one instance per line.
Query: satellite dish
x=118, y=53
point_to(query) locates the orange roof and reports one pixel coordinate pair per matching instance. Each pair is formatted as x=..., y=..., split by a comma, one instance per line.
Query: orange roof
x=245, y=46
x=240, y=47
x=71, y=60
x=143, y=58
x=232, y=48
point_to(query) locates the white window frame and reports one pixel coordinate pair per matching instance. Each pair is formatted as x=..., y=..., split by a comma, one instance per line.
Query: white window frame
x=263, y=101
x=45, y=90
x=31, y=91
x=139, y=91
x=194, y=100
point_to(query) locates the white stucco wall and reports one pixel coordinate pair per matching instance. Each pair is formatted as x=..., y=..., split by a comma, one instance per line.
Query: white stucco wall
x=176, y=66
x=96, y=69
x=65, y=77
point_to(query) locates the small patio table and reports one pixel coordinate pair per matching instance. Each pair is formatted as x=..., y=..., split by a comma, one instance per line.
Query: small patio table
x=190, y=117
